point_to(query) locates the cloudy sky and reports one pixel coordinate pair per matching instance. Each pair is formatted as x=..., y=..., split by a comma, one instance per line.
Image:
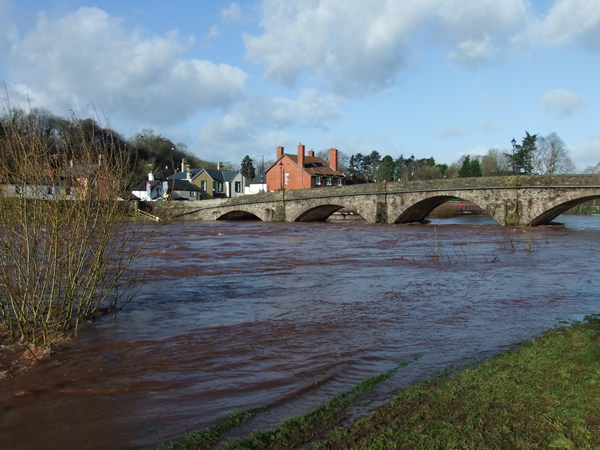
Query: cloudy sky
x=439, y=78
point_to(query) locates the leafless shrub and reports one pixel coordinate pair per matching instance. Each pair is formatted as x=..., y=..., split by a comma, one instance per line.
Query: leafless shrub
x=65, y=238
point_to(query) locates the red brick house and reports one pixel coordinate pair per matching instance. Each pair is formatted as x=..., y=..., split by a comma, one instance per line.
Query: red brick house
x=303, y=171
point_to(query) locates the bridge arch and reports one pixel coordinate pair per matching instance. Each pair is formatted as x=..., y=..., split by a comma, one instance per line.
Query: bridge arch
x=559, y=206
x=422, y=204
x=239, y=215
x=318, y=213
x=319, y=209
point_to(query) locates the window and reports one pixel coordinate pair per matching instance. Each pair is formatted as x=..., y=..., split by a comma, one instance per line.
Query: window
x=318, y=180
x=219, y=187
x=238, y=186
x=287, y=178
x=203, y=186
x=339, y=181
x=328, y=181
x=192, y=194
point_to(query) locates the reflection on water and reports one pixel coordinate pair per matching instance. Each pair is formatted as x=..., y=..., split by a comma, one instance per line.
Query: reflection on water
x=240, y=315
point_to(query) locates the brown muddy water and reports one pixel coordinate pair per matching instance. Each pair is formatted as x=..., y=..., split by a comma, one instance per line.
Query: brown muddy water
x=244, y=315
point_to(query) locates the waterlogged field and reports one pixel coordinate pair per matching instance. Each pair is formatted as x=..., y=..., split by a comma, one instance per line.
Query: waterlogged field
x=242, y=316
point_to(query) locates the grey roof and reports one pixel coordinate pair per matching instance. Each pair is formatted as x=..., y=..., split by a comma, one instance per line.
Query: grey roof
x=183, y=185
x=221, y=175
x=183, y=175
x=141, y=186
x=259, y=179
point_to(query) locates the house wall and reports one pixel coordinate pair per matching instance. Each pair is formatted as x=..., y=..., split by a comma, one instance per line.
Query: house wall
x=209, y=193
x=286, y=169
x=239, y=178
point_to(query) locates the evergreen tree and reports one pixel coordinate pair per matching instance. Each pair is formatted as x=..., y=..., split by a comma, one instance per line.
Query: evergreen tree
x=522, y=157
x=248, y=169
x=470, y=168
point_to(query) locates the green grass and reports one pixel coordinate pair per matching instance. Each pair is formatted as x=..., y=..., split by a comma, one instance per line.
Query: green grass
x=543, y=394
x=208, y=438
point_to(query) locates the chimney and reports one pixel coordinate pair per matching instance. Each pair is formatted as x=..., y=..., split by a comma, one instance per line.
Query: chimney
x=219, y=165
x=183, y=164
x=311, y=153
x=150, y=176
x=333, y=159
x=279, y=152
x=301, y=155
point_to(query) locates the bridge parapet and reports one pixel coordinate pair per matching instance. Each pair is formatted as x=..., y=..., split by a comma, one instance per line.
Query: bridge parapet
x=512, y=200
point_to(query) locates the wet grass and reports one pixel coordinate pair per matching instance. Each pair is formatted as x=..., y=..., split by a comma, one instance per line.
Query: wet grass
x=210, y=437
x=293, y=432
x=543, y=394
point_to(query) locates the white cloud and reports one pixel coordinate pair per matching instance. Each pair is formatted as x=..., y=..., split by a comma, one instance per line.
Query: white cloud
x=258, y=120
x=587, y=153
x=356, y=47
x=562, y=102
x=87, y=56
x=567, y=22
x=478, y=28
x=233, y=13
x=473, y=52
x=353, y=47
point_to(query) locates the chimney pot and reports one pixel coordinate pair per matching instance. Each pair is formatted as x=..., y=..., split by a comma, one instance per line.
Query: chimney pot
x=333, y=159
x=301, y=149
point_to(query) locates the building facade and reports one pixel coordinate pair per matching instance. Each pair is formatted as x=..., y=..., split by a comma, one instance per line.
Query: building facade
x=303, y=171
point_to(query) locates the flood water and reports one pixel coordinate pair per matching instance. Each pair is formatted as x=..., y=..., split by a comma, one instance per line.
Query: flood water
x=244, y=315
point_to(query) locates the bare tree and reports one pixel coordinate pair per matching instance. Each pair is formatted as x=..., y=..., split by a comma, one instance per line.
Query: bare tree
x=552, y=156
x=65, y=243
x=495, y=163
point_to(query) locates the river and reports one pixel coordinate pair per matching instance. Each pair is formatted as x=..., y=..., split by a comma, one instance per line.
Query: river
x=244, y=315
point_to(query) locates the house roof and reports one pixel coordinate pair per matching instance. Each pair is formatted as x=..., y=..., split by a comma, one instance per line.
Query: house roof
x=183, y=175
x=141, y=186
x=259, y=179
x=312, y=165
x=221, y=175
x=184, y=185
x=216, y=175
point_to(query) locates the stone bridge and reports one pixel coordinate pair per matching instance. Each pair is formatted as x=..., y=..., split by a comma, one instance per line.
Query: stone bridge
x=511, y=201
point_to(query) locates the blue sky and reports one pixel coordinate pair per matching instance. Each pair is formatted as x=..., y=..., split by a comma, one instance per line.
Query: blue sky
x=440, y=78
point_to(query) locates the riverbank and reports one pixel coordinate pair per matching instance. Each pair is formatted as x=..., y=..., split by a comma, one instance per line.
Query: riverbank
x=545, y=393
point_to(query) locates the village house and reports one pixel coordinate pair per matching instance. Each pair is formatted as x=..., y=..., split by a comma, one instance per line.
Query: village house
x=303, y=171
x=150, y=189
x=211, y=183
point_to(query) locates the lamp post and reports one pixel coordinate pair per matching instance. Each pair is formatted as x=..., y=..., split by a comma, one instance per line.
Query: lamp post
x=281, y=170
x=412, y=168
x=514, y=143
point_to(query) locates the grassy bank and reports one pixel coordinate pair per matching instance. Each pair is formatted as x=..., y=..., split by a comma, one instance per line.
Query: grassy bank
x=544, y=394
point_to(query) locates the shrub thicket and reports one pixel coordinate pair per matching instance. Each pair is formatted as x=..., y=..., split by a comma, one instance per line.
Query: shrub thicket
x=65, y=243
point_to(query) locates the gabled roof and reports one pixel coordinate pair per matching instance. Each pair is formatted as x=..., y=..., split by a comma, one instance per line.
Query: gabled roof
x=183, y=175
x=221, y=175
x=259, y=179
x=183, y=185
x=312, y=165
x=141, y=186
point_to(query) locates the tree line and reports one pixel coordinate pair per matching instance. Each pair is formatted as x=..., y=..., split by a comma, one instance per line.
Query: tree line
x=145, y=151
x=541, y=155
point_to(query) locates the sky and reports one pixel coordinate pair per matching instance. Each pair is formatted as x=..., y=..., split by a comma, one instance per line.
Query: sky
x=429, y=78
